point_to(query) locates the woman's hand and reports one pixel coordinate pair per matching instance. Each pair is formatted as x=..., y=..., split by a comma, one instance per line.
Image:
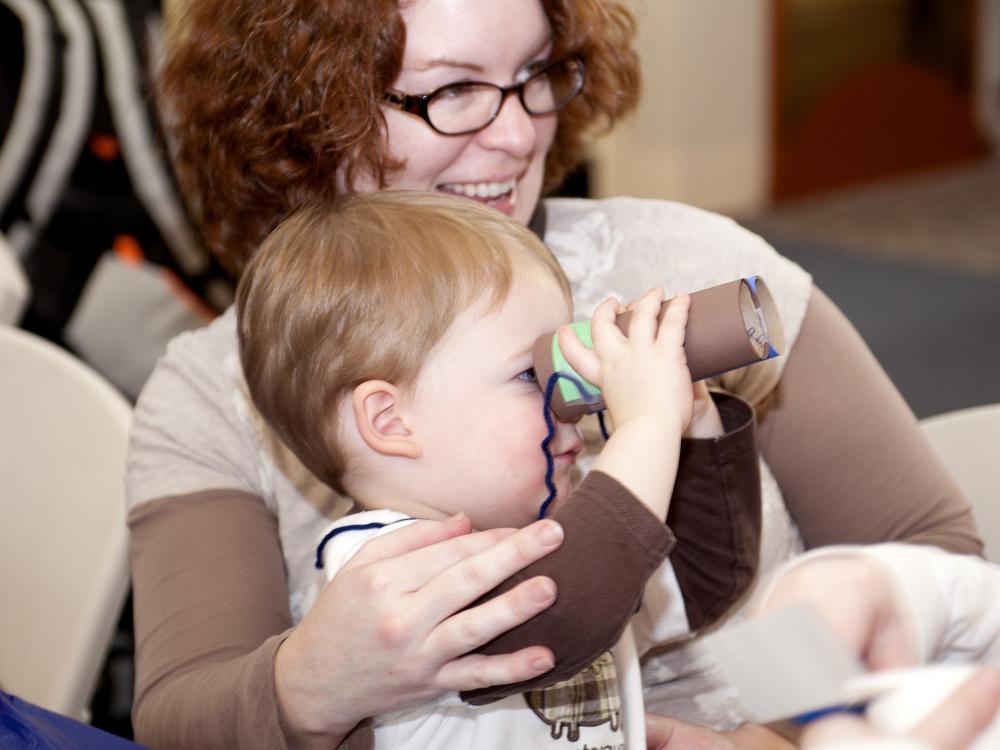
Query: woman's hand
x=664, y=733
x=953, y=726
x=390, y=630
x=855, y=596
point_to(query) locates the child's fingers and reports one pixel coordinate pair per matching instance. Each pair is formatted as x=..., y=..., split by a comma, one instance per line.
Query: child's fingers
x=642, y=326
x=603, y=329
x=582, y=359
x=674, y=321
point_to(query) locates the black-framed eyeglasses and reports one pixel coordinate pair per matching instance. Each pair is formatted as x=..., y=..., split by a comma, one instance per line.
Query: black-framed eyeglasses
x=467, y=106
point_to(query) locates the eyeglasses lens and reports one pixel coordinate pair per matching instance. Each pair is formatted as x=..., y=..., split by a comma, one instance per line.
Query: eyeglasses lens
x=465, y=107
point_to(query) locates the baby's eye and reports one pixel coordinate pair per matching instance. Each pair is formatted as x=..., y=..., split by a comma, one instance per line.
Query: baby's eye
x=528, y=375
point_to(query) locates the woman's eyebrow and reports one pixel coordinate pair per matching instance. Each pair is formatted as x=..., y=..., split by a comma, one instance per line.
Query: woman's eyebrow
x=446, y=62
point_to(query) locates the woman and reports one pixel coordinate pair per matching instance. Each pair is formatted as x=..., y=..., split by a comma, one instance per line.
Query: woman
x=276, y=103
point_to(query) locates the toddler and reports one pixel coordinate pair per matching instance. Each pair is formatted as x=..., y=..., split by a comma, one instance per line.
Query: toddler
x=388, y=341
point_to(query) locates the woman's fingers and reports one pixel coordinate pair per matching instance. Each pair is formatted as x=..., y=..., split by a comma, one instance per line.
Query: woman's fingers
x=665, y=733
x=964, y=715
x=469, y=629
x=952, y=726
x=411, y=572
x=409, y=538
x=477, y=671
x=439, y=580
x=659, y=731
x=466, y=581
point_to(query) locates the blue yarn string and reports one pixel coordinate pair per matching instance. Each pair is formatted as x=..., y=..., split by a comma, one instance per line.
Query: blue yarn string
x=550, y=423
x=604, y=427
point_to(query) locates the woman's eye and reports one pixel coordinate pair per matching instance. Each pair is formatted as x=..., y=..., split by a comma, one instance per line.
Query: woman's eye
x=528, y=375
x=454, y=91
x=531, y=69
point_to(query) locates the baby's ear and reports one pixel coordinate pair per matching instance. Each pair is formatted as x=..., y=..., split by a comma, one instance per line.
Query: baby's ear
x=381, y=419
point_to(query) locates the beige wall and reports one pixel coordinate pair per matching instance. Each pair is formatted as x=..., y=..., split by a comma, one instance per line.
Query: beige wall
x=701, y=133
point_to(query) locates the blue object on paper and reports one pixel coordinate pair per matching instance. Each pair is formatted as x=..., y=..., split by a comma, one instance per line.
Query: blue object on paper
x=25, y=726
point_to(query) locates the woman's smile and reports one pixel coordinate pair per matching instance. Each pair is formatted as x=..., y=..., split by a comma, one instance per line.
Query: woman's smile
x=498, y=194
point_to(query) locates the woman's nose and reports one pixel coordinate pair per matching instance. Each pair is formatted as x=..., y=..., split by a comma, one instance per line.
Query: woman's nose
x=513, y=130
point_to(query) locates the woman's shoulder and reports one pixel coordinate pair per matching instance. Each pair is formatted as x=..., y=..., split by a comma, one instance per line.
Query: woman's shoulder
x=628, y=209
x=197, y=365
x=633, y=243
x=642, y=216
x=192, y=428
x=623, y=246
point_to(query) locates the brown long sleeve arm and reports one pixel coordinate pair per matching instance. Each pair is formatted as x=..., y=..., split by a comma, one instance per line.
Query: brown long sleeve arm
x=715, y=513
x=605, y=536
x=613, y=545
x=847, y=452
x=211, y=609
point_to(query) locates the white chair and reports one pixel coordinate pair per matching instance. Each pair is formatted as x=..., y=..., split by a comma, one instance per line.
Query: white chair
x=63, y=540
x=968, y=443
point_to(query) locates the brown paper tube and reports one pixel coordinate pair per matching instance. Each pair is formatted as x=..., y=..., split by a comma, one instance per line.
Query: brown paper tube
x=729, y=326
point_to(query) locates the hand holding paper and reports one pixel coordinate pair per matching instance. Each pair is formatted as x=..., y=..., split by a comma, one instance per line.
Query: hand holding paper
x=833, y=612
x=856, y=599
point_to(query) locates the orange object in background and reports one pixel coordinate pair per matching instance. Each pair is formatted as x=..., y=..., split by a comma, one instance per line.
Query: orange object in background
x=104, y=146
x=128, y=249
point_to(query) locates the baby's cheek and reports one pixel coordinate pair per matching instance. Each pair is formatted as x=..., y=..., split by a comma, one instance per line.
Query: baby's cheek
x=535, y=431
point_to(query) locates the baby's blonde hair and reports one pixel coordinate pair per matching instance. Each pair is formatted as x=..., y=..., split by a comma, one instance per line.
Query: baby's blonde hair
x=362, y=290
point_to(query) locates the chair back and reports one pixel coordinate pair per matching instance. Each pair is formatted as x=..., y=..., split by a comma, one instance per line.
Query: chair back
x=63, y=540
x=968, y=443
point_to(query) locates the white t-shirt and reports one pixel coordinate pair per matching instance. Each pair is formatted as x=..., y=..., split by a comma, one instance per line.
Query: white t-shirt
x=589, y=710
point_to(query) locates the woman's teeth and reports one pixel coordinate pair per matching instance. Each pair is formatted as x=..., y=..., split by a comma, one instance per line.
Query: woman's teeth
x=481, y=190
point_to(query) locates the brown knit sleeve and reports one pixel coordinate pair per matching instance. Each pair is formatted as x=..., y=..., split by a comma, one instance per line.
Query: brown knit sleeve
x=847, y=452
x=612, y=545
x=715, y=514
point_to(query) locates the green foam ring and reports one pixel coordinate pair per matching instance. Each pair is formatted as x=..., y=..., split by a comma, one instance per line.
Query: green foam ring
x=567, y=387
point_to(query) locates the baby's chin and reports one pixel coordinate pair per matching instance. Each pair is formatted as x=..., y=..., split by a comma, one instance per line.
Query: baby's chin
x=525, y=515
x=563, y=489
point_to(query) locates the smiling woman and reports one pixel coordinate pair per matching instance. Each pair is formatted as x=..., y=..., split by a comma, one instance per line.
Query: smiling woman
x=255, y=99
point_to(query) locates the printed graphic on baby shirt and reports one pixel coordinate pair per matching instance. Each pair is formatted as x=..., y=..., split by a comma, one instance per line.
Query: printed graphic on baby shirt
x=588, y=699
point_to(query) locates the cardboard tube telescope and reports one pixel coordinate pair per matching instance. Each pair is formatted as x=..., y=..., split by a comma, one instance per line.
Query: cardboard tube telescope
x=729, y=326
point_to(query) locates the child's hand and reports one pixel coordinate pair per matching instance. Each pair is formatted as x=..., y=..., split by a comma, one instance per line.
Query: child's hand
x=644, y=374
x=647, y=389
x=705, y=419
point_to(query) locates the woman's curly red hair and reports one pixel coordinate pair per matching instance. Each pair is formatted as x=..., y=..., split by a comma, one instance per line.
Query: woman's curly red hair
x=254, y=95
